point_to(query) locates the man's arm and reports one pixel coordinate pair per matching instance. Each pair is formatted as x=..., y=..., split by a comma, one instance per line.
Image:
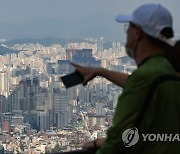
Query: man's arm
x=90, y=73
x=117, y=78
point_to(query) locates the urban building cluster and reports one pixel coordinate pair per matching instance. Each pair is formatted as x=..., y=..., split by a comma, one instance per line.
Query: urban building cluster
x=38, y=114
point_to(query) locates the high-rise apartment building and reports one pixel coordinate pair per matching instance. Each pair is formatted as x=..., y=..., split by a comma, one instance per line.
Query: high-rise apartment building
x=100, y=109
x=4, y=83
x=100, y=43
x=2, y=104
x=64, y=67
x=84, y=57
x=43, y=121
x=61, y=108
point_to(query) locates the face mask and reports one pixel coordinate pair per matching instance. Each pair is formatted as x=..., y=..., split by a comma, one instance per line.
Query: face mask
x=130, y=52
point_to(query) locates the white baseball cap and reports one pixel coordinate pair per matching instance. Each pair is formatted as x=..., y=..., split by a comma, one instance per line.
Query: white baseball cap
x=152, y=18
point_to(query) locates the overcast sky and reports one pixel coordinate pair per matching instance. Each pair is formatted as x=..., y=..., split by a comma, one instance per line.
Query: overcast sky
x=18, y=10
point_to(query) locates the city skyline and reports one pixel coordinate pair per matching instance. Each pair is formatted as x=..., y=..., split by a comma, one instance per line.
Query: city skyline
x=35, y=103
x=38, y=114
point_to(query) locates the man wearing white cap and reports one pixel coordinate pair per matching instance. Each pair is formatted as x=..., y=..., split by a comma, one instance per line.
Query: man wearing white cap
x=148, y=35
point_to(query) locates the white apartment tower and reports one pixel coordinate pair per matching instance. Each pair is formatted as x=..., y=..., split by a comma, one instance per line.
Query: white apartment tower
x=100, y=43
x=4, y=83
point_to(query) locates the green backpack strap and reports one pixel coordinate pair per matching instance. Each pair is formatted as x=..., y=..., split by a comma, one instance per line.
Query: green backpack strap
x=148, y=99
x=150, y=94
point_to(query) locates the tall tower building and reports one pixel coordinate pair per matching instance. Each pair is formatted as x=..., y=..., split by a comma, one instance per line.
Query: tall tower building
x=100, y=109
x=119, y=45
x=114, y=47
x=43, y=121
x=84, y=57
x=2, y=104
x=61, y=108
x=31, y=88
x=14, y=99
x=4, y=83
x=100, y=44
x=21, y=95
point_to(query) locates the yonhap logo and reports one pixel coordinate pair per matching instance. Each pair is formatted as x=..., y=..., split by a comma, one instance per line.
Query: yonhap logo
x=130, y=136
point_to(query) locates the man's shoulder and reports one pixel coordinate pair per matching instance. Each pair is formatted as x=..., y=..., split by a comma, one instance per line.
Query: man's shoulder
x=154, y=67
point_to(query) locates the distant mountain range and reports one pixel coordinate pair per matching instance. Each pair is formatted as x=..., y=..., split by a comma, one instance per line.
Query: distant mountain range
x=50, y=40
x=43, y=41
x=4, y=50
x=93, y=26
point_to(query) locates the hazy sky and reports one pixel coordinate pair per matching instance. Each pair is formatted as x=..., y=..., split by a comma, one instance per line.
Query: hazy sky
x=19, y=10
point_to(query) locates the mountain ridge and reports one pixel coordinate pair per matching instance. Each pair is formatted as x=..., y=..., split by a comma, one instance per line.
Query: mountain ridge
x=93, y=26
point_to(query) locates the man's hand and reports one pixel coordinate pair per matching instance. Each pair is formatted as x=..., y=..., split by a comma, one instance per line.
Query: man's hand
x=88, y=73
x=94, y=144
x=88, y=145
